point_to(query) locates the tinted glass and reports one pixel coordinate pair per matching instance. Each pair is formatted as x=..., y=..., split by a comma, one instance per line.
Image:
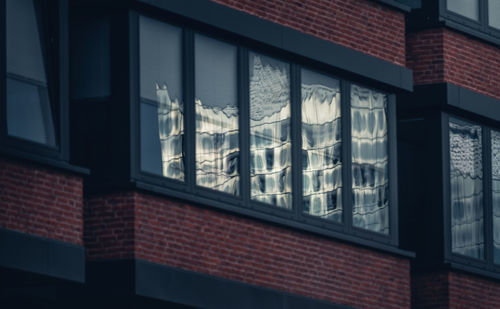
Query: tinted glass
x=217, y=145
x=162, y=118
x=494, y=13
x=270, y=144
x=495, y=165
x=467, y=8
x=321, y=146
x=466, y=186
x=29, y=114
x=370, y=182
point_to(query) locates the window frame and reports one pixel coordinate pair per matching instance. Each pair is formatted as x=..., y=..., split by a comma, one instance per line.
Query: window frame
x=457, y=260
x=479, y=28
x=56, y=65
x=242, y=204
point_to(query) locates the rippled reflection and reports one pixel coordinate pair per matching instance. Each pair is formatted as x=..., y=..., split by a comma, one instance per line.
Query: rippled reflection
x=171, y=133
x=370, y=183
x=270, y=146
x=217, y=147
x=321, y=146
x=162, y=120
x=495, y=165
x=466, y=172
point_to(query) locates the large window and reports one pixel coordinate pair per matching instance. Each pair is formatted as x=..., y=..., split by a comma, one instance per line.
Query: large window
x=223, y=122
x=29, y=107
x=474, y=153
x=482, y=15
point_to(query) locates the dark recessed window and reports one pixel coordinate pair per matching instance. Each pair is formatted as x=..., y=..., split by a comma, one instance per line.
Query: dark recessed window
x=494, y=13
x=29, y=110
x=321, y=146
x=162, y=110
x=217, y=126
x=467, y=8
x=466, y=189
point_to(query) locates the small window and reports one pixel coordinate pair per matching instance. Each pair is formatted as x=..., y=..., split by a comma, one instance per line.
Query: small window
x=466, y=189
x=29, y=112
x=467, y=8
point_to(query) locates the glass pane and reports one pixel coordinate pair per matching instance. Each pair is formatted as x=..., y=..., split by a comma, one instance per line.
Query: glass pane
x=467, y=8
x=270, y=144
x=370, y=168
x=321, y=146
x=495, y=165
x=494, y=13
x=466, y=173
x=162, y=117
x=216, y=103
x=29, y=114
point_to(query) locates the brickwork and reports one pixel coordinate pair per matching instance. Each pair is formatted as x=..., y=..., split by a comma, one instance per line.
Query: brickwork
x=365, y=26
x=229, y=246
x=41, y=201
x=442, y=55
x=429, y=290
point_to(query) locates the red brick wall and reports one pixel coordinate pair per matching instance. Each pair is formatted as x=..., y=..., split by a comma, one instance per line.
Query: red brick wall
x=443, y=55
x=41, y=201
x=448, y=289
x=362, y=25
x=230, y=246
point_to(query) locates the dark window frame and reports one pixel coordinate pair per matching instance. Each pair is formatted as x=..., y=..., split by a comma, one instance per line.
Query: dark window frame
x=480, y=28
x=56, y=65
x=449, y=256
x=188, y=190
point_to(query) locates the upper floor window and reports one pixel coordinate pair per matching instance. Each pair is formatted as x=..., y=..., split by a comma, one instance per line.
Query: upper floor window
x=494, y=13
x=223, y=122
x=482, y=15
x=29, y=110
x=467, y=8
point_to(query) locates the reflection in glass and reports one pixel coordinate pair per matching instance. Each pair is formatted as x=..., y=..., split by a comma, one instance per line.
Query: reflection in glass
x=217, y=146
x=466, y=180
x=270, y=145
x=495, y=166
x=370, y=182
x=321, y=146
x=467, y=8
x=29, y=114
x=494, y=13
x=162, y=117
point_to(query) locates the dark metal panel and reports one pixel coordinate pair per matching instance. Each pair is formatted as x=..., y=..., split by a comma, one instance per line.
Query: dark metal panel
x=42, y=255
x=244, y=121
x=63, y=77
x=446, y=183
x=487, y=196
x=3, y=70
x=393, y=171
x=296, y=138
x=189, y=109
x=290, y=40
x=134, y=95
x=474, y=102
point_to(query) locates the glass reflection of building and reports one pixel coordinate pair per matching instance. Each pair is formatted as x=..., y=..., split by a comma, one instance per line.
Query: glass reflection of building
x=466, y=186
x=270, y=143
x=321, y=146
x=370, y=182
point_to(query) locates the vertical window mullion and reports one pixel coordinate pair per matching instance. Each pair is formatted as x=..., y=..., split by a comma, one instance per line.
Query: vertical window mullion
x=345, y=96
x=487, y=187
x=3, y=92
x=189, y=108
x=243, y=98
x=295, y=95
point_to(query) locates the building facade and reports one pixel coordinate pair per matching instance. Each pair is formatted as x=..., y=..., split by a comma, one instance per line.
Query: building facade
x=250, y=154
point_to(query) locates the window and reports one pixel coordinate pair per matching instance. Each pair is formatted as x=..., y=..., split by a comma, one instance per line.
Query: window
x=467, y=8
x=474, y=193
x=29, y=112
x=32, y=105
x=228, y=123
x=477, y=17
